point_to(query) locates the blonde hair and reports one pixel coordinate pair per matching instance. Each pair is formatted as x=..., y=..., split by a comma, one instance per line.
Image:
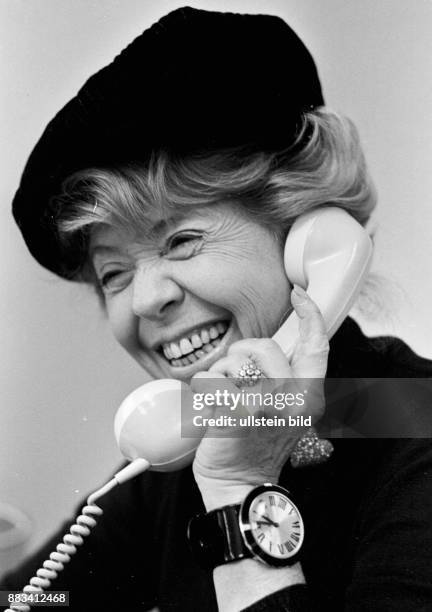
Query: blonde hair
x=326, y=166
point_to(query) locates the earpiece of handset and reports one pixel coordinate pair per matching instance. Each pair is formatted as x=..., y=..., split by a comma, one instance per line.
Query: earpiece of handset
x=328, y=253
x=151, y=424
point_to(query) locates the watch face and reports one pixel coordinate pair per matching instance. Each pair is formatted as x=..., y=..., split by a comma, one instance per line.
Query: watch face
x=272, y=525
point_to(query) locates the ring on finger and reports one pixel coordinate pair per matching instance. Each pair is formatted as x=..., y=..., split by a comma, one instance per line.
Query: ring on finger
x=248, y=374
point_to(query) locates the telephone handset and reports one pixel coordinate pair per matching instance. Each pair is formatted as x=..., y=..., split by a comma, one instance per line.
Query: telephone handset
x=327, y=253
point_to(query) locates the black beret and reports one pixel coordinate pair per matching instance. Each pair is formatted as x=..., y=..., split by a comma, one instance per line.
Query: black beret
x=196, y=80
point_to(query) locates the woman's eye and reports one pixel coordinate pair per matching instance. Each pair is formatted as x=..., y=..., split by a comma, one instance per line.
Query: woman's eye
x=105, y=278
x=183, y=245
x=114, y=279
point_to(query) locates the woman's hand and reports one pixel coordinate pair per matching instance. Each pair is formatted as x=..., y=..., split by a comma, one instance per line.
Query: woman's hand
x=230, y=462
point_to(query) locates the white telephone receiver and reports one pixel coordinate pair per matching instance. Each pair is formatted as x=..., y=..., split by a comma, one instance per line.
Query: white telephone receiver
x=328, y=254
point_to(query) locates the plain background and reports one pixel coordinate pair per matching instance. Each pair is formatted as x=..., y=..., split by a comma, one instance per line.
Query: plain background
x=62, y=377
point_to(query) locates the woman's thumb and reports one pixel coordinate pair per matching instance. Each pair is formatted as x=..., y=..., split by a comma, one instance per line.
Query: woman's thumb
x=311, y=351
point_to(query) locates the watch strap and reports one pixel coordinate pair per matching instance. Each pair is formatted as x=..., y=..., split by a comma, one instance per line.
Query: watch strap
x=215, y=538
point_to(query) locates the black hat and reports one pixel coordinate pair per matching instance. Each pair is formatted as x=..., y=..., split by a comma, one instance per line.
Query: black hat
x=195, y=80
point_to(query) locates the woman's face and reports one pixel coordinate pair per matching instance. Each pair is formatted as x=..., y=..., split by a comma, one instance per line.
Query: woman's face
x=178, y=297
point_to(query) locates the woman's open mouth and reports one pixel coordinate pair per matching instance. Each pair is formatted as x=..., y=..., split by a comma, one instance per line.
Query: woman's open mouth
x=195, y=346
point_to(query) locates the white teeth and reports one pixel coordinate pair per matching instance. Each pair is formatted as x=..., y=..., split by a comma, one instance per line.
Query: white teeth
x=196, y=341
x=190, y=349
x=185, y=346
x=175, y=350
x=213, y=332
x=221, y=327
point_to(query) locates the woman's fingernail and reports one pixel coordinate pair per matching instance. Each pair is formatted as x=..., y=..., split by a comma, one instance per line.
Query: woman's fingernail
x=300, y=295
x=300, y=291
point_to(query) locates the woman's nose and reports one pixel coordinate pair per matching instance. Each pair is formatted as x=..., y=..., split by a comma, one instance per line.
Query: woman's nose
x=155, y=293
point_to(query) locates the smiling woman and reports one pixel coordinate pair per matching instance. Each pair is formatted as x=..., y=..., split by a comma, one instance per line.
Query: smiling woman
x=200, y=277
x=189, y=242
x=177, y=209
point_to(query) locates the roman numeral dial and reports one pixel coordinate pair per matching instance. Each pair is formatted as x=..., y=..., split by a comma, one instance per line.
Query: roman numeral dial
x=275, y=524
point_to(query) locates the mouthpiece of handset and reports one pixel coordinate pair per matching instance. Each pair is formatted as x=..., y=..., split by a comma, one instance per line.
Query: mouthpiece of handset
x=153, y=423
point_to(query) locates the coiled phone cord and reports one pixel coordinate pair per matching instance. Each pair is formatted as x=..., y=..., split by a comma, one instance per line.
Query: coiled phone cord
x=78, y=531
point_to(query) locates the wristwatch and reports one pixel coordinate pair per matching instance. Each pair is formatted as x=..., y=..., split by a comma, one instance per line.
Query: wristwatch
x=267, y=526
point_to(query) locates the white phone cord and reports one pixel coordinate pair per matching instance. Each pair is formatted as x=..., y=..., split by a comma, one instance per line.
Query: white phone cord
x=78, y=531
